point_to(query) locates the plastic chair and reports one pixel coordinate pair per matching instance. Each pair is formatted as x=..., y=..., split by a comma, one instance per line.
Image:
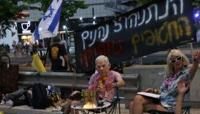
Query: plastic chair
x=116, y=103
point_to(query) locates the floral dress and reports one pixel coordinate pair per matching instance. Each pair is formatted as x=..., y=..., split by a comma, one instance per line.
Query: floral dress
x=104, y=85
x=169, y=88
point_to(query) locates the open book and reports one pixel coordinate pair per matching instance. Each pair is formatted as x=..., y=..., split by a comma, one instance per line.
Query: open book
x=152, y=95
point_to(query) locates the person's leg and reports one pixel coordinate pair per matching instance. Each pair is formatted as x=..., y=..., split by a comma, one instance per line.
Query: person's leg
x=14, y=95
x=74, y=102
x=66, y=106
x=138, y=103
x=131, y=107
x=141, y=103
x=74, y=99
x=154, y=106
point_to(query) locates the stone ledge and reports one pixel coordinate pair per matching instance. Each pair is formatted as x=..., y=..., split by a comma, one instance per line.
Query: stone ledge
x=26, y=110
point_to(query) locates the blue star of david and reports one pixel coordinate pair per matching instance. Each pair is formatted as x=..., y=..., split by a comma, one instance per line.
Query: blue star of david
x=49, y=14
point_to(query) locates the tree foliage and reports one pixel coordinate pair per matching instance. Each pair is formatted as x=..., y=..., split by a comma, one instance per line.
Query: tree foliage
x=9, y=9
x=69, y=7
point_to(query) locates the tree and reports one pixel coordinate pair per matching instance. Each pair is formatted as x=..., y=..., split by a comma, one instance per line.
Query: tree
x=69, y=7
x=10, y=11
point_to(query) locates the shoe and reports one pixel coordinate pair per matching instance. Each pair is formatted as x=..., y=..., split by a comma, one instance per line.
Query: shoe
x=2, y=102
x=9, y=103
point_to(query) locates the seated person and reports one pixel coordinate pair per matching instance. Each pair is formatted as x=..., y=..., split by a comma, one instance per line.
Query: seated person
x=104, y=81
x=177, y=70
x=16, y=98
x=38, y=96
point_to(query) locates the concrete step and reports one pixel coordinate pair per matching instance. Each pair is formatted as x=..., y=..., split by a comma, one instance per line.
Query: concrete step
x=27, y=110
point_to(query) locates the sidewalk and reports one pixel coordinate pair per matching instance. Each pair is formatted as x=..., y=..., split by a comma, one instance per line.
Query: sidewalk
x=27, y=110
x=126, y=111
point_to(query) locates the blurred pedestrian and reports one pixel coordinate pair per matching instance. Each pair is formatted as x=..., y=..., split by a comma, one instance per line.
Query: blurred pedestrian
x=58, y=56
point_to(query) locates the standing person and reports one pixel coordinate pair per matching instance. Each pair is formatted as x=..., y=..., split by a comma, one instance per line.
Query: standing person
x=177, y=70
x=58, y=56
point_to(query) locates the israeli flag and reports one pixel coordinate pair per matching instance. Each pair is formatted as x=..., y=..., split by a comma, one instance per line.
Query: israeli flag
x=49, y=23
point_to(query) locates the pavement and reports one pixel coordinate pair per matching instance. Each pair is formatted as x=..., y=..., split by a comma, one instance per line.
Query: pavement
x=126, y=111
x=39, y=111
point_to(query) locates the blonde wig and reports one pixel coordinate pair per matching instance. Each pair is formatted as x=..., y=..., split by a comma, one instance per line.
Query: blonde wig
x=175, y=52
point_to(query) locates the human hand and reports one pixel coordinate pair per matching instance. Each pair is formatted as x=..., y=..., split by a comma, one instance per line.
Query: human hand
x=182, y=87
x=151, y=90
x=196, y=56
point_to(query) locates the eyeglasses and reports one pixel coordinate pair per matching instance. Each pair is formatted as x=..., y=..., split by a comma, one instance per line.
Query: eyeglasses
x=178, y=58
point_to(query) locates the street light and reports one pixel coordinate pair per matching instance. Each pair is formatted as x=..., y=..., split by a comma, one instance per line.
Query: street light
x=64, y=27
x=81, y=19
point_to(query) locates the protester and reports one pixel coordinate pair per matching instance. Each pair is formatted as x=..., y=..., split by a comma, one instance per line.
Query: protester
x=58, y=56
x=177, y=69
x=104, y=81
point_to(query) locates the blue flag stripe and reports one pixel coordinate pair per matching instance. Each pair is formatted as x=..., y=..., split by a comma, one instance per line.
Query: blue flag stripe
x=55, y=20
x=36, y=34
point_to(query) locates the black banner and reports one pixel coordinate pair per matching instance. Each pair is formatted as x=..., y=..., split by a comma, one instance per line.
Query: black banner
x=155, y=27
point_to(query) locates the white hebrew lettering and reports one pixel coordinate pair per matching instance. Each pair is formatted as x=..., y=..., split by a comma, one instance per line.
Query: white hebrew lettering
x=166, y=11
x=92, y=37
x=118, y=26
x=101, y=33
x=143, y=18
x=106, y=33
x=84, y=36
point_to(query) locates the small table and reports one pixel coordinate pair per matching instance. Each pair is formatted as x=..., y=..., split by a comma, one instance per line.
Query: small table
x=98, y=109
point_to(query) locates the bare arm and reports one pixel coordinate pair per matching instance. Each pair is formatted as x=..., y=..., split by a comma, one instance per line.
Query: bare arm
x=195, y=64
x=119, y=81
x=182, y=88
x=67, y=60
x=179, y=103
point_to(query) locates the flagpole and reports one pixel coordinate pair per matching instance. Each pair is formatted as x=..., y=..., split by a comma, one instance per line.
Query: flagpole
x=43, y=44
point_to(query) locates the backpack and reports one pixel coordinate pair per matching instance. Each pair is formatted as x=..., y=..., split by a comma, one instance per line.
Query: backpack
x=40, y=99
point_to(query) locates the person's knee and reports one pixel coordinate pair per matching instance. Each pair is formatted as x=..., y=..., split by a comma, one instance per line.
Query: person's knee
x=138, y=99
x=130, y=105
